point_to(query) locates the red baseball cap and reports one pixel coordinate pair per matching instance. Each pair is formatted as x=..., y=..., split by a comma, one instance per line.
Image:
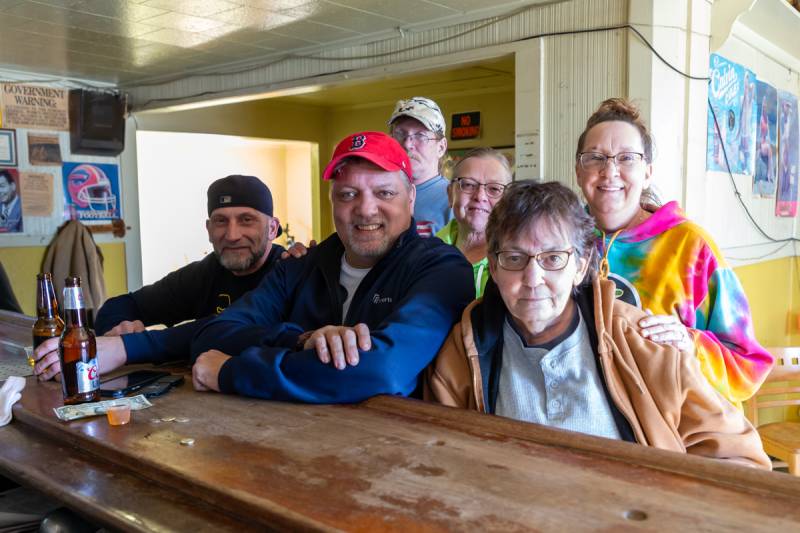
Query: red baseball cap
x=374, y=146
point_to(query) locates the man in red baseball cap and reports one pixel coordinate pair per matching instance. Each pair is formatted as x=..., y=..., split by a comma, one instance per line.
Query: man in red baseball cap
x=363, y=313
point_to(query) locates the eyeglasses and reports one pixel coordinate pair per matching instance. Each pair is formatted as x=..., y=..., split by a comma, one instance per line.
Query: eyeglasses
x=551, y=260
x=470, y=186
x=598, y=161
x=415, y=138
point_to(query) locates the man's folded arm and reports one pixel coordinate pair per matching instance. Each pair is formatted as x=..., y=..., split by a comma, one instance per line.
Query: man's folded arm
x=251, y=320
x=168, y=301
x=116, y=310
x=157, y=346
x=403, y=344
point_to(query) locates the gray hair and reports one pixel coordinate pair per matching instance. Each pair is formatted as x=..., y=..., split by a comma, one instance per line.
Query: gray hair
x=527, y=202
x=485, y=152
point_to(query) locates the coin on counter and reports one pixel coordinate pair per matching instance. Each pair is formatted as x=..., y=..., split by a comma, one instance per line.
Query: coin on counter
x=182, y=419
x=187, y=442
x=168, y=419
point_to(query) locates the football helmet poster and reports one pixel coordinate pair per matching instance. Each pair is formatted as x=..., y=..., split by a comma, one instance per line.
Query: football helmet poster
x=91, y=191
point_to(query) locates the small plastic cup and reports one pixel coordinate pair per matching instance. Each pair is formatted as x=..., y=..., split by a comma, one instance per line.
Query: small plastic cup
x=119, y=413
x=29, y=355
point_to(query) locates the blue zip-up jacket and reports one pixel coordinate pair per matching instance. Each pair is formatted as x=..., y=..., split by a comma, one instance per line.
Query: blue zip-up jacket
x=198, y=291
x=409, y=300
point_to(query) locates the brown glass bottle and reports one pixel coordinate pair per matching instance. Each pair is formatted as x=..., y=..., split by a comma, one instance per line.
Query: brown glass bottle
x=80, y=378
x=48, y=323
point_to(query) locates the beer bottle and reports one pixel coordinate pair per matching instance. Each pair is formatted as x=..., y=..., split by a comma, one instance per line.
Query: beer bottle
x=77, y=350
x=48, y=324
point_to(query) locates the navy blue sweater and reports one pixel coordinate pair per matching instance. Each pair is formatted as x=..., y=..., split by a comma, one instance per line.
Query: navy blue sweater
x=196, y=292
x=409, y=300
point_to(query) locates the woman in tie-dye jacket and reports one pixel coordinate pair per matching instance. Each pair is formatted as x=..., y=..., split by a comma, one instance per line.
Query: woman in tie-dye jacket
x=661, y=261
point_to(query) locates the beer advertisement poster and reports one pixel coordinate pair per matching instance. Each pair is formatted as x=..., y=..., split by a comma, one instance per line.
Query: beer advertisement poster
x=788, y=160
x=34, y=107
x=765, y=177
x=731, y=94
x=10, y=202
x=91, y=191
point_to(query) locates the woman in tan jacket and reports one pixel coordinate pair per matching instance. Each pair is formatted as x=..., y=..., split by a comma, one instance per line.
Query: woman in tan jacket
x=543, y=346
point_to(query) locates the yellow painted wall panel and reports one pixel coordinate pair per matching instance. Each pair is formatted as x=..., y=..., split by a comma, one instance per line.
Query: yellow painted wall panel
x=772, y=290
x=23, y=263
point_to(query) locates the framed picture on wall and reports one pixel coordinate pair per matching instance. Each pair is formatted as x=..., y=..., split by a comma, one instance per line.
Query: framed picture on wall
x=8, y=148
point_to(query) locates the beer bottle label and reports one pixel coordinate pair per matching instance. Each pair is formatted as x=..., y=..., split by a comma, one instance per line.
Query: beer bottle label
x=88, y=377
x=73, y=298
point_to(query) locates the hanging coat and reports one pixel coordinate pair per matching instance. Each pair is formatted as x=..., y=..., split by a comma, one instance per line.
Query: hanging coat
x=73, y=252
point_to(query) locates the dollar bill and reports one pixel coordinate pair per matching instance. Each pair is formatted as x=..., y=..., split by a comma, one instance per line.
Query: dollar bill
x=82, y=410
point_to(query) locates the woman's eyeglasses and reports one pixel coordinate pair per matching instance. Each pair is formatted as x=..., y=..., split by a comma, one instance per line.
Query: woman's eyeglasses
x=551, y=260
x=598, y=161
x=470, y=186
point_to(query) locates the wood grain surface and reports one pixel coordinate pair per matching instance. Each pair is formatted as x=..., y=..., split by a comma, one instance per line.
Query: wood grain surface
x=390, y=464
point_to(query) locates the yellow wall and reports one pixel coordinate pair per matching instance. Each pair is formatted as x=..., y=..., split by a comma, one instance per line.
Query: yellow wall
x=23, y=263
x=773, y=289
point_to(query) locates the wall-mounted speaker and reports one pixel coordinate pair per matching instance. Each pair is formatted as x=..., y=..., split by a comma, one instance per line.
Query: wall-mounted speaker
x=96, y=122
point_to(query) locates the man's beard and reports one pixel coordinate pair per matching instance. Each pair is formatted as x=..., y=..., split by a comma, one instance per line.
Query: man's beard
x=374, y=249
x=371, y=248
x=236, y=262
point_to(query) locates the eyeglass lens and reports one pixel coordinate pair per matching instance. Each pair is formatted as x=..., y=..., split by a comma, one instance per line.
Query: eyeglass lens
x=416, y=138
x=596, y=160
x=493, y=190
x=551, y=260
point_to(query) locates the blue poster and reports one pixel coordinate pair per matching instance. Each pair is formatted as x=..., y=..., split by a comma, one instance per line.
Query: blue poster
x=788, y=148
x=91, y=191
x=731, y=94
x=766, y=174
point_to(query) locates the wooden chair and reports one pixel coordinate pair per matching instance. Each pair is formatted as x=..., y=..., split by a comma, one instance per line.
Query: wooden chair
x=781, y=439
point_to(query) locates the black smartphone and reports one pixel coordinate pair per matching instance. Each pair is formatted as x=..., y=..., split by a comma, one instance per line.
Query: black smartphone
x=131, y=382
x=162, y=385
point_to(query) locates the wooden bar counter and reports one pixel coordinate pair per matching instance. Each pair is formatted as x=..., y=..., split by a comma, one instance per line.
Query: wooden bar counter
x=389, y=464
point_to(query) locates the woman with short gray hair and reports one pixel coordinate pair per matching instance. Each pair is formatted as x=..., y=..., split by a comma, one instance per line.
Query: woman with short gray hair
x=550, y=344
x=479, y=180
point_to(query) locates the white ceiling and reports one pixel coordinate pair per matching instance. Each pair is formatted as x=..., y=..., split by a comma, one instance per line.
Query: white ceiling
x=126, y=42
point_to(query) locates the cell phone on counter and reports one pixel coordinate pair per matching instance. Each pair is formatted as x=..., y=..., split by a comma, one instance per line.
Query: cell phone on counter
x=162, y=385
x=131, y=382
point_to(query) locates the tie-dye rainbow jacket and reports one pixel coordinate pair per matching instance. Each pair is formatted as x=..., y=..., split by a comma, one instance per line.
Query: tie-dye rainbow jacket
x=672, y=266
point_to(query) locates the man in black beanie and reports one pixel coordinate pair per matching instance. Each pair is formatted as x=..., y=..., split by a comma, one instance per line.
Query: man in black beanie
x=241, y=227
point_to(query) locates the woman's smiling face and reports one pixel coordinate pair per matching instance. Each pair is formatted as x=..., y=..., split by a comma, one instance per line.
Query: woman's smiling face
x=472, y=210
x=613, y=192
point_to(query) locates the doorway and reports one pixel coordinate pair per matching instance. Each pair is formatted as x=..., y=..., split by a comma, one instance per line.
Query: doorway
x=174, y=172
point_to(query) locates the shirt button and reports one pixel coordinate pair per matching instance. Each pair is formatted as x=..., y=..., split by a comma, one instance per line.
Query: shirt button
x=555, y=405
x=554, y=384
x=552, y=363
